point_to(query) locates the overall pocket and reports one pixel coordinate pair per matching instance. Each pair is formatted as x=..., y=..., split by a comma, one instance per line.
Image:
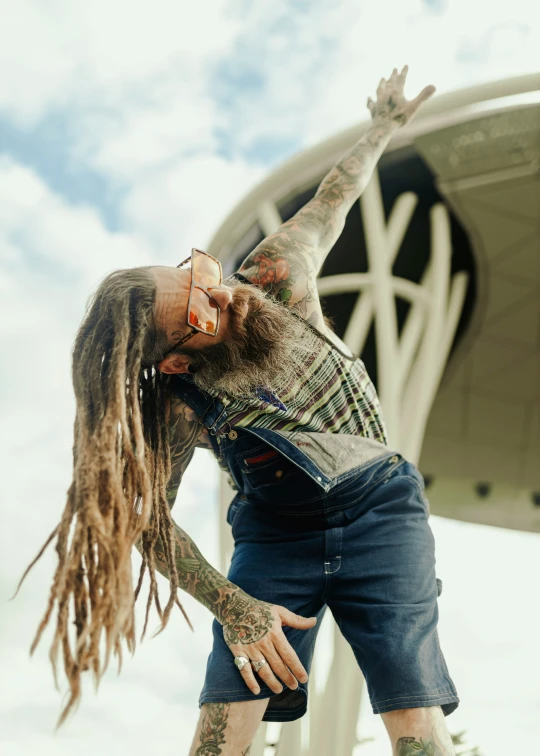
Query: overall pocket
x=264, y=466
x=273, y=479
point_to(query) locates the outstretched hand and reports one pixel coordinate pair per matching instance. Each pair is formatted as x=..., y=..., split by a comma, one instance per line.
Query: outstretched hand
x=391, y=104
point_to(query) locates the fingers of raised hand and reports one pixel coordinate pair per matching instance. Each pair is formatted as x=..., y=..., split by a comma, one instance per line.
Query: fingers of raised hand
x=391, y=86
x=424, y=94
x=397, y=80
x=403, y=74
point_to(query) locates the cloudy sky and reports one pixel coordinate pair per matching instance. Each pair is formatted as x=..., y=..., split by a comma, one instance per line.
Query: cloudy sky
x=128, y=131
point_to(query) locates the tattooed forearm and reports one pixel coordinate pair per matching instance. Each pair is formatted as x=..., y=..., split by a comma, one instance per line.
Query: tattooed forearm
x=244, y=618
x=344, y=184
x=213, y=728
x=286, y=263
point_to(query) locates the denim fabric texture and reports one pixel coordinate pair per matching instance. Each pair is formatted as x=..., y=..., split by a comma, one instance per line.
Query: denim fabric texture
x=359, y=544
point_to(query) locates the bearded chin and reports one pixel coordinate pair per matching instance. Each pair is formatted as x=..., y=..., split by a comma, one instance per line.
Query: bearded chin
x=268, y=348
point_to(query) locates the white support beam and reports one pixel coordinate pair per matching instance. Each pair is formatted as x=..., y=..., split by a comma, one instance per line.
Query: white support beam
x=360, y=319
x=458, y=292
x=358, y=326
x=334, y=730
x=268, y=217
x=398, y=223
x=290, y=740
x=343, y=283
x=412, y=330
x=422, y=384
x=258, y=744
x=379, y=262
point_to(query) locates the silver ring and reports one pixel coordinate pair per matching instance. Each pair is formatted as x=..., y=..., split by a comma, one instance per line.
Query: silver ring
x=258, y=664
x=241, y=662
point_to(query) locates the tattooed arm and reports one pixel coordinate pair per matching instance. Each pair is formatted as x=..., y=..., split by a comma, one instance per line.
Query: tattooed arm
x=287, y=262
x=251, y=627
x=197, y=577
x=247, y=621
x=186, y=433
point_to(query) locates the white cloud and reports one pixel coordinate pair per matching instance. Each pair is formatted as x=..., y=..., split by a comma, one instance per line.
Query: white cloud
x=56, y=254
x=181, y=205
x=75, y=53
x=51, y=232
x=376, y=37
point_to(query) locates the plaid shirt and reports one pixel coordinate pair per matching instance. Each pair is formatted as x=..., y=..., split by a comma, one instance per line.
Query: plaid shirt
x=333, y=395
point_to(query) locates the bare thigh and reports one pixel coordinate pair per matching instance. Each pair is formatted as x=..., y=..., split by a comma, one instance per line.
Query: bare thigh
x=227, y=728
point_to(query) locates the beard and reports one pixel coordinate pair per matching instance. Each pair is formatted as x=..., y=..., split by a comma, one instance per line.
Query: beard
x=269, y=347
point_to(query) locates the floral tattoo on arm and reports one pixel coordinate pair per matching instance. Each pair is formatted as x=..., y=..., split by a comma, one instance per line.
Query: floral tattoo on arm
x=287, y=262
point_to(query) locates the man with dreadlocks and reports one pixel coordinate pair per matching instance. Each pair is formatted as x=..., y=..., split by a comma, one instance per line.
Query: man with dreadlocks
x=325, y=514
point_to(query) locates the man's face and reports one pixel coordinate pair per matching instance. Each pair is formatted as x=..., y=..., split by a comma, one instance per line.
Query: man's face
x=258, y=342
x=172, y=296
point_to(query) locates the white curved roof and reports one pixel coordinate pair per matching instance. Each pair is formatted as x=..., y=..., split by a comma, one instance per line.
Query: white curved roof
x=309, y=166
x=482, y=145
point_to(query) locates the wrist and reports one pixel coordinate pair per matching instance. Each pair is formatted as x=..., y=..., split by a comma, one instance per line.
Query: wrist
x=385, y=126
x=229, y=596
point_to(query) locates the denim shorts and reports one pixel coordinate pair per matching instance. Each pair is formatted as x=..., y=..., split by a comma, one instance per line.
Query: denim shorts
x=365, y=550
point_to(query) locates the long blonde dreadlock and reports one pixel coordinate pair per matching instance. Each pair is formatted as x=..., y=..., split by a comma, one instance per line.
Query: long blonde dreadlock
x=121, y=466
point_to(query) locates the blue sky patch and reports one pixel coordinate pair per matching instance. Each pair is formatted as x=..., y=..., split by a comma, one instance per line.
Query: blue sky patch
x=47, y=149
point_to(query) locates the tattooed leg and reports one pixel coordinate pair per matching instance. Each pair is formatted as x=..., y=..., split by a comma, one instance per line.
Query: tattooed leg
x=418, y=732
x=227, y=729
x=213, y=726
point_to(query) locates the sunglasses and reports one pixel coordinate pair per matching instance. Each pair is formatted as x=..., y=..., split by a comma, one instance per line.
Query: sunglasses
x=202, y=310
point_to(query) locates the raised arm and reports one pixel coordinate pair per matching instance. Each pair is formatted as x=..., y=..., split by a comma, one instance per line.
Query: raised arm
x=247, y=621
x=287, y=262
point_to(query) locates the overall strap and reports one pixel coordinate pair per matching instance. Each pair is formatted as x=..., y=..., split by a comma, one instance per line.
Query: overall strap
x=210, y=411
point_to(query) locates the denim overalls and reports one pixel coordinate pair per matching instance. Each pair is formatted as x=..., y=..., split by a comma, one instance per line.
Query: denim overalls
x=330, y=520
x=319, y=460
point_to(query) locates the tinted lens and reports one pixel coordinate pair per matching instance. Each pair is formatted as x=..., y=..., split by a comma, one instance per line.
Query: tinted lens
x=206, y=270
x=203, y=312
